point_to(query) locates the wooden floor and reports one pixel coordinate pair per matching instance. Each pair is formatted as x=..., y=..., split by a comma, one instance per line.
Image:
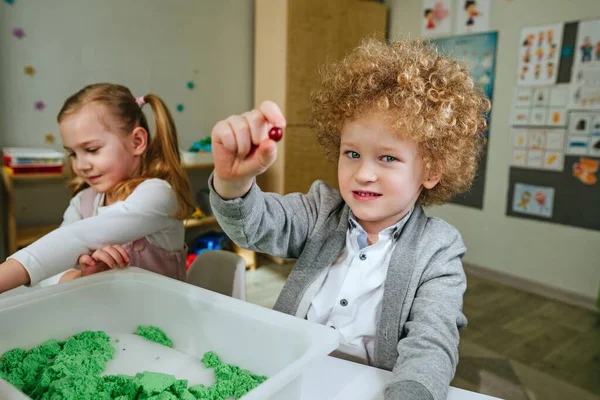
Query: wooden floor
x=551, y=337
x=516, y=346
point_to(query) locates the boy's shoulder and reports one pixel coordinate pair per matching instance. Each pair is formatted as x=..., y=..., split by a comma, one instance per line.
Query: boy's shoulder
x=439, y=233
x=325, y=194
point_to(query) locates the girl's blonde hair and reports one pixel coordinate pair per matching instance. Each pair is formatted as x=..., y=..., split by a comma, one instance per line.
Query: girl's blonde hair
x=161, y=158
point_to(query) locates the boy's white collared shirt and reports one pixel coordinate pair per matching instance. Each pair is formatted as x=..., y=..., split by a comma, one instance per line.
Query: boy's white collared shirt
x=350, y=298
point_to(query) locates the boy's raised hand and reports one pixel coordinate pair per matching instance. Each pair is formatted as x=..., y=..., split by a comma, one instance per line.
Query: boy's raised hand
x=242, y=149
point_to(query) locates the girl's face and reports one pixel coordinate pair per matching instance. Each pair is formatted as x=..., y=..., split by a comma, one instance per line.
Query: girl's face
x=100, y=152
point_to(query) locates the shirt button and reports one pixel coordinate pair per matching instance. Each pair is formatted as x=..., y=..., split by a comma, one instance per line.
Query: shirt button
x=362, y=256
x=344, y=302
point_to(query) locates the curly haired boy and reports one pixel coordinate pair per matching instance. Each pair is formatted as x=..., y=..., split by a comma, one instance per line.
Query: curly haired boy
x=405, y=125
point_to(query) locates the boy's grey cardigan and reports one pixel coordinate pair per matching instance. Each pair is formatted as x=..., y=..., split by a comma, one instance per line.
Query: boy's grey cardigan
x=421, y=311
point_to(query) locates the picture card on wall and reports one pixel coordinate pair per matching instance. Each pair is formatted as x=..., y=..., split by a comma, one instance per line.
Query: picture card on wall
x=595, y=145
x=519, y=158
x=578, y=145
x=472, y=16
x=436, y=18
x=533, y=200
x=539, y=54
x=554, y=160
x=523, y=96
x=540, y=106
x=521, y=116
x=541, y=149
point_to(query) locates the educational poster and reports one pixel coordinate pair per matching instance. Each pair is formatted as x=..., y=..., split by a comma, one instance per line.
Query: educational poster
x=436, y=18
x=539, y=54
x=555, y=135
x=533, y=200
x=576, y=193
x=471, y=16
x=540, y=106
x=541, y=149
x=478, y=51
x=586, y=66
x=584, y=134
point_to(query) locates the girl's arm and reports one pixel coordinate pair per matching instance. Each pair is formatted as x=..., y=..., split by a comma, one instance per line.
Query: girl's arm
x=72, y=214
x=146, y=211
x=12, y=274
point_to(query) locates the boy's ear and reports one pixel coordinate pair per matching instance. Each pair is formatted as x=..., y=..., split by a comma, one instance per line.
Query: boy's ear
x=139, y=140
x=431, y=181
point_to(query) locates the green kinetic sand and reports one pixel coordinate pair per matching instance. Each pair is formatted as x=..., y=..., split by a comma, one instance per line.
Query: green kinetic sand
x=71, y=370
x=155, y=334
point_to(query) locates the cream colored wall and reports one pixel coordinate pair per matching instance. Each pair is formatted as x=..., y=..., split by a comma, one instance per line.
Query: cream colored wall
x=551, y=254
x=148, y=45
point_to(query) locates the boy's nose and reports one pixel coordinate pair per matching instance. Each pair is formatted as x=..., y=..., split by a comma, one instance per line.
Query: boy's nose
x=365, y=172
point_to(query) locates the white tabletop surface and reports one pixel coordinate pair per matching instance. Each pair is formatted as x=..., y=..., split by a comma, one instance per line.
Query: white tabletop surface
x=330, y=378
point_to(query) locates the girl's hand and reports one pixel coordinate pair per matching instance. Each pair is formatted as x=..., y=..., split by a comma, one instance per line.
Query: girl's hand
x=242, y=149
x=103, y=259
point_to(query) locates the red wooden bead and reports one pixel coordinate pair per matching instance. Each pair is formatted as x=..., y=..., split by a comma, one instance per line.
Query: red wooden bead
x=275, y=134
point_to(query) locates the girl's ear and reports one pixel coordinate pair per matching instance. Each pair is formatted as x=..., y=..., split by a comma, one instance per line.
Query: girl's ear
x=139, y=140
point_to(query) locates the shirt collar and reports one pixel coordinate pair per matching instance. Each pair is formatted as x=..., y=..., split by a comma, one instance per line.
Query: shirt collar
x=394, y=230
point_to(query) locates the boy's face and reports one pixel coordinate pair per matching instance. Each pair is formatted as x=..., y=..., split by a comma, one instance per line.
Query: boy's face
x=380, y=175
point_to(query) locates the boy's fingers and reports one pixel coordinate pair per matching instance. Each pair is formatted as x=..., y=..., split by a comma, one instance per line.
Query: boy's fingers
x=223, y=134
x=241, y=133
x=273, y=114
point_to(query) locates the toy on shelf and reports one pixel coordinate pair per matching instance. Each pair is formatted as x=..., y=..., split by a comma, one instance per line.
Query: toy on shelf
x=201, y=145
x=198, y=213
x=207, y=241
x=26, y=160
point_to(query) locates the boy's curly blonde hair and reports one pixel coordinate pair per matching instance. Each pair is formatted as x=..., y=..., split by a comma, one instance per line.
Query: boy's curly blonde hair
x=426, y=96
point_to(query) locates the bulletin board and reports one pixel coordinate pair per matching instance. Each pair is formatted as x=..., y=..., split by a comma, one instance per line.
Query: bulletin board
x=555, y=125
x=478, y=52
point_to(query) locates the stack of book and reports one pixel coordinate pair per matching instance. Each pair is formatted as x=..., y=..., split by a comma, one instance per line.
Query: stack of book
x=28, y=160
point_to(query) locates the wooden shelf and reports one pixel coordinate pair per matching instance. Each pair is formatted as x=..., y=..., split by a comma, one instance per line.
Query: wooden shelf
x=9, y=174
x=31, y=177
x=28, y=235
x=198, y=166
x=194, y=222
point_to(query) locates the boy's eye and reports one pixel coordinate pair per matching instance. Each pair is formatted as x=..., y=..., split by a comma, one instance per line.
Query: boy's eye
x=72, y=155
x=92, y=150
x=353, y=154
x=388, y=158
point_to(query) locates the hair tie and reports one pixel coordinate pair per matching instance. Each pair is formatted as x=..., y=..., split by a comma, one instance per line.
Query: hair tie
x=140, y=101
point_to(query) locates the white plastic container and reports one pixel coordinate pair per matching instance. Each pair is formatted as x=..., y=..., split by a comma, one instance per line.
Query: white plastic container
x=263, y=341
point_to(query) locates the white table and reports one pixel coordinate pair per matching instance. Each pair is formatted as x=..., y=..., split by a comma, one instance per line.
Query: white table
x=330, y=378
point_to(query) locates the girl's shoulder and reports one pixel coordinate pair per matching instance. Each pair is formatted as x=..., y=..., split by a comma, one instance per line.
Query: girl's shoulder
x=154, y=194
x=154, y=182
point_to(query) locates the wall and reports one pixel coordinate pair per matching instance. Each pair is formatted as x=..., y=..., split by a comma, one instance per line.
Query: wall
x=149, y=46
x=554, y=255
